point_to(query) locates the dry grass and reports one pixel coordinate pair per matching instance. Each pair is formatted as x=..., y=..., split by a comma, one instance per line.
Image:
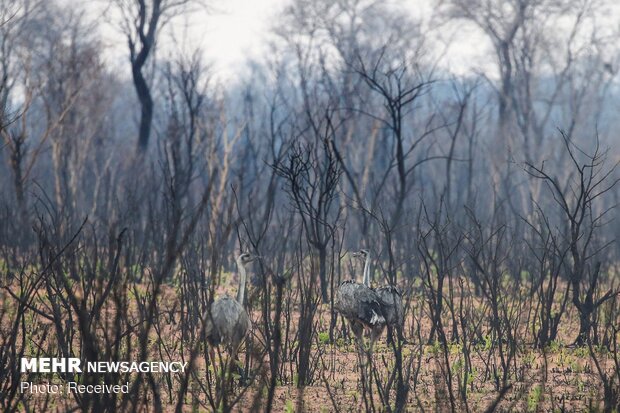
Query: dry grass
x=561, y=377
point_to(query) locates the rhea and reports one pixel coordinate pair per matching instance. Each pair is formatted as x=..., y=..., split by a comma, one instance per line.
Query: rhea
x=361, y=307
x=390, y=296
x=228, y=322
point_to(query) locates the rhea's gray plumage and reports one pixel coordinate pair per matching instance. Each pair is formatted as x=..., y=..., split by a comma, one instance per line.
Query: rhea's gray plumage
x=228, y=323
x=391, y=301
x=360, y=305
x=389, y=296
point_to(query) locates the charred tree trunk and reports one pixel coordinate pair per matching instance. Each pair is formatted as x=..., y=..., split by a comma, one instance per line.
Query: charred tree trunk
x=146, y=106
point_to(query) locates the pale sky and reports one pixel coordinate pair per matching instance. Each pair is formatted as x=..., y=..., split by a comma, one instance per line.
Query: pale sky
x=227, y=33
x=234, y=30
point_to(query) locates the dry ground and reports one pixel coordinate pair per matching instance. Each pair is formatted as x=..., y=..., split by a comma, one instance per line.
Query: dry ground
x=560, y=378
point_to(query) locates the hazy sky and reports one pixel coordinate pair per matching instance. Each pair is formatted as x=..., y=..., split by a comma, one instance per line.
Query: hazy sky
x=234, y=30
x=227, y=33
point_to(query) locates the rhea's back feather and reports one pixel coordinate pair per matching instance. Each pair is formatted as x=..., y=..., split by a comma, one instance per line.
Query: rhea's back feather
x=228, y=322
x=391, y=301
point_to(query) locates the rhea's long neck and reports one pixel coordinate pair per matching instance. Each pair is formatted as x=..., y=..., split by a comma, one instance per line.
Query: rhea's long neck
x=367, y=271
x=242, y=277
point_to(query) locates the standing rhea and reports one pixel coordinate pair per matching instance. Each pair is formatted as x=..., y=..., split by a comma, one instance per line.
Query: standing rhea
x=228, y=322
x=389, y=295
x=361, y=306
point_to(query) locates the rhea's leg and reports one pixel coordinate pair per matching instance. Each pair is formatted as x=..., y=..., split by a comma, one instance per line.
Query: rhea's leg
x=374, y=335
x=358, y=331
x=365, y=373
x=211, y=360
x=390, y=335
x=237, y=365
x=230, y=368
x=220, y=376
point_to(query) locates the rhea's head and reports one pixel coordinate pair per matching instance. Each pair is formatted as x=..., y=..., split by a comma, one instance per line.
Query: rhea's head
x=246, y=258
x=361, y=254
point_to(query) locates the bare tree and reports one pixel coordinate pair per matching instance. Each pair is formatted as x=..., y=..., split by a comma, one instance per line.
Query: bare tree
x=541, y=75
x=142, y=22
x=581, y=218
x=399, y=88
x=312, y=174
x=549, y=259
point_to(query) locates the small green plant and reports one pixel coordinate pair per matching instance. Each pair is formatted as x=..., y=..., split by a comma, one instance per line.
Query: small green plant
x=457, y=366
x=488, y=342
x=575, y=366
x=564, y=359
x=582, y=352
x=528, y=359
x=581, y=386
x=435, y=348
x=471, y=376
x=324, y=337
x=554, y=347
x=533, y=399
